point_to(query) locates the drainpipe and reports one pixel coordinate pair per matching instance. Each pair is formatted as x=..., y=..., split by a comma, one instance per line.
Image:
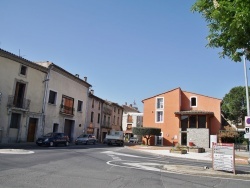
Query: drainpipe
x=46, y=81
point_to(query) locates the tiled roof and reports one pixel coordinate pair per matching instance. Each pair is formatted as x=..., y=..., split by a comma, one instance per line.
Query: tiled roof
x=194, y=112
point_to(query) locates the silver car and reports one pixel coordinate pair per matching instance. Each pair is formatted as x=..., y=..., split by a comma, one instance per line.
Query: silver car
x=85, y=139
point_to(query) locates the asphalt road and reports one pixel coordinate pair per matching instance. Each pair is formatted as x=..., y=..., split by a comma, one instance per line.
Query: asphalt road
x=97, y=166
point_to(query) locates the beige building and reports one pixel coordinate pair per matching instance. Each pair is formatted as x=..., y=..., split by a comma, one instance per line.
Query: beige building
x=94, y=117
x=22, y=89
x=66, y=100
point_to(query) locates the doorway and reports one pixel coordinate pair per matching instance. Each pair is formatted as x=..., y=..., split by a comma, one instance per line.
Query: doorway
x=19, y=95
x=69, y=128
x=32, y=130
x=184, y=139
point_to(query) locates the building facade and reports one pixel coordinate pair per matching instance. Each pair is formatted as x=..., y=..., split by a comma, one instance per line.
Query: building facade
x=132, y=117
x=183, y=117
x=22, y=87
x=94, y=117
x=66, y=102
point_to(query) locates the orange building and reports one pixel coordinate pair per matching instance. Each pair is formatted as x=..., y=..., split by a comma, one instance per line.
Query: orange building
x=184, y=117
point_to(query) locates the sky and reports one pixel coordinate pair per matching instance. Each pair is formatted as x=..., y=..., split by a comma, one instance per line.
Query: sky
x=129, y=50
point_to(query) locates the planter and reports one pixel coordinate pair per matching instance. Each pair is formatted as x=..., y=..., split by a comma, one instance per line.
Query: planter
x=197, y=150
x=178, y=151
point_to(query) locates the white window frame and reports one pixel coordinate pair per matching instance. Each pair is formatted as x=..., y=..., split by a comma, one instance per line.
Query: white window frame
x=160, y=119
x=160, y=137
x=161, y=105
x=191, y=101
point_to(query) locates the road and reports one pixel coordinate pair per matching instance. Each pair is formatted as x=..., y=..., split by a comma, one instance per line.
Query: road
x=97, y=166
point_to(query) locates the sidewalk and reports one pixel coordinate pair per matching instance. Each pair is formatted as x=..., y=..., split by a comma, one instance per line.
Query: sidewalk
x=241, y=157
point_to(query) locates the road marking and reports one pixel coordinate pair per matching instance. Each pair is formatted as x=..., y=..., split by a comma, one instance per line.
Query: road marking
x=128, y=155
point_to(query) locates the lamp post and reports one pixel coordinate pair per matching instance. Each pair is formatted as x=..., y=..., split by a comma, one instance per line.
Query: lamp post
x=247, y=97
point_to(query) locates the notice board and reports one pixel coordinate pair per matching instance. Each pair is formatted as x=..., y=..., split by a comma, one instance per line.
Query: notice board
x=223, y=157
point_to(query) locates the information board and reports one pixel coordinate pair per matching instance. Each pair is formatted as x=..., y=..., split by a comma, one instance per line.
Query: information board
x=224, y=157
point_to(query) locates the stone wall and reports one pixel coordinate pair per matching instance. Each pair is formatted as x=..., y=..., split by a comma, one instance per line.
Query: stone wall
x=200, y=137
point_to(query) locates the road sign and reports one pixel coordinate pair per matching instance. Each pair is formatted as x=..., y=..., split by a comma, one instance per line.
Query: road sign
x=247, y=121
x=247, y=130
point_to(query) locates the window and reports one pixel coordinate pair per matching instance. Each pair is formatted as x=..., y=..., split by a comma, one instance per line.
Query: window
x=99, y=106
x=193, y=101
x=202, y=121
x=98, y=120
x=159, y=102
x=118, y=111
x=23, y=70
x=92, y=117
x=55, y=127
x=192, y=122
x=114, y=120
x=114, y=109
x=93, y=103
x=79, y=106
x=67, y=105
x=52, y=97
x=159, y=116
x=118, y=120
x=15, y=120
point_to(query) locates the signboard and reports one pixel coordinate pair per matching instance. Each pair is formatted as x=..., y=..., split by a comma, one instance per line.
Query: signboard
x=247, y=121
x=223, y=157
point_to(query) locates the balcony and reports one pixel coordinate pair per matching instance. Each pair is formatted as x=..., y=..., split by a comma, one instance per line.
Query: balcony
x=67, y=110
x=106, y=125
x=18, y=103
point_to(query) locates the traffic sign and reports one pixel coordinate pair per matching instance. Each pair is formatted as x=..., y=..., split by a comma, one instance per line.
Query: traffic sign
x=247, y=121
x=247, y=130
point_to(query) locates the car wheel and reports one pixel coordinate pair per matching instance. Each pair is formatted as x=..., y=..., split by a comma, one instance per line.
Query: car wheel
x=76, y=143
x=51, y=144
x=67, y=143
x=94, y=142
x=86, y=143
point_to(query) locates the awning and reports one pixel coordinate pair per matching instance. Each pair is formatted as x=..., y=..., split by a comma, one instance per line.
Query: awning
x=194, y=112
x=127, y=132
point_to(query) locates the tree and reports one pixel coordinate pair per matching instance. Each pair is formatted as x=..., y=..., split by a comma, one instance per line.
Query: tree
x=228, y=135
x=229, y=26
x=234, y=107
x=146, y=132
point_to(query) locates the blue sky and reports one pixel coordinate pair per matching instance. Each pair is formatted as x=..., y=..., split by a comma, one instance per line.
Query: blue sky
x=130, y=50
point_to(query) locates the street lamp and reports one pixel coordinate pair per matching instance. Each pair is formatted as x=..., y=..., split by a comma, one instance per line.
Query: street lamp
x=247, y=97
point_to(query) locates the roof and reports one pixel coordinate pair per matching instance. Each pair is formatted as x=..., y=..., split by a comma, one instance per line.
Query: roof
x=181, y=91
x=130, y=109
x=21, y=60
x=194, y=112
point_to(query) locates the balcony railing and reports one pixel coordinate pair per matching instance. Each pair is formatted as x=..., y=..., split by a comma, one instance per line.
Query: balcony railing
x=20, y=103
x=106, y=125
x=67, y=110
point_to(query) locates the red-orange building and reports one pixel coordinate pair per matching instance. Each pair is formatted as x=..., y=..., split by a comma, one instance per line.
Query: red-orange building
x=184, y=117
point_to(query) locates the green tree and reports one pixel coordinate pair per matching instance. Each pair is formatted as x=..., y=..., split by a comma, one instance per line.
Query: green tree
x=229, y=26
x=146, y=132
x=234, y=105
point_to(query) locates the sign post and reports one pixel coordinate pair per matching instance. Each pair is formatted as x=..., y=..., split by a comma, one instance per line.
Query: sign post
x=247, y=133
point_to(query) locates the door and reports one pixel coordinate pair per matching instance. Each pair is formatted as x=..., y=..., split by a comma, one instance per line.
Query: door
x=19, y=95
x=159, y=140
x=31, y=130
x=68, y=128
x=184, y=139
x=14, y=127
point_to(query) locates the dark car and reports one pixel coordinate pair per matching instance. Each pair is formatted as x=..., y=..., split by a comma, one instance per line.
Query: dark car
x=53, y=139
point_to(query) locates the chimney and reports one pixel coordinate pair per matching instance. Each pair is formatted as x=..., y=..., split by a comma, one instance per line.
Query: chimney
x=85, y=78
x=126, y=103
x=77, y=75
x=130, y=105
x=92, y=91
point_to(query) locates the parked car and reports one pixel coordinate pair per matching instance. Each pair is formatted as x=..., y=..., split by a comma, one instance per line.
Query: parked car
x=133, y=140
x=85, y=139
x=53, y=139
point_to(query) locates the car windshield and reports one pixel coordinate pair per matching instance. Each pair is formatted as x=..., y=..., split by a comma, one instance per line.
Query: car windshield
x=48, y=135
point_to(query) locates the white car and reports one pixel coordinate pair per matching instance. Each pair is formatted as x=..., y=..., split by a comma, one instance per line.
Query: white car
x=133, y=140
x=85, y=139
